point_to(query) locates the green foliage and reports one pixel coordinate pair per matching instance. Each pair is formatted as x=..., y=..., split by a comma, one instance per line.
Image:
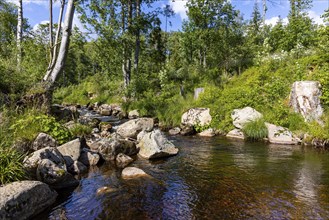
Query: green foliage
x=29, y=124
x=79, y=130
x=255, y=130
x=11, y=165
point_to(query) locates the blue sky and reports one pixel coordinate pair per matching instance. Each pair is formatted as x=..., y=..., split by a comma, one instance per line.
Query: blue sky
x=37, y=10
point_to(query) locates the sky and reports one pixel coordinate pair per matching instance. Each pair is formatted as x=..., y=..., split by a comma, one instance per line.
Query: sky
x=36, y=11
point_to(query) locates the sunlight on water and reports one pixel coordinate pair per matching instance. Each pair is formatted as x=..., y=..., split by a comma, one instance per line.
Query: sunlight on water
x=211, y=178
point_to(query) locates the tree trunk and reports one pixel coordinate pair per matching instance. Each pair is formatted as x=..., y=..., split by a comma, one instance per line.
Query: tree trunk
x=55, y=47
x=126, y=60
x=19, y=33
x=137, y=47
x=51, y=43
x=52, y=73
x=264, y=11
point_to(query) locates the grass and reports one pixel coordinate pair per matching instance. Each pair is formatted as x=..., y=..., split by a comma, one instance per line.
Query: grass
x=255, y=130
x=11, y=165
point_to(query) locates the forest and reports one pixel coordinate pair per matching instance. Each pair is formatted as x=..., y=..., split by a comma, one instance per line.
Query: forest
x=124, y=56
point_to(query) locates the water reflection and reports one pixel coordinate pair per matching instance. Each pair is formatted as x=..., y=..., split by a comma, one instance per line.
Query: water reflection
x=211, y=178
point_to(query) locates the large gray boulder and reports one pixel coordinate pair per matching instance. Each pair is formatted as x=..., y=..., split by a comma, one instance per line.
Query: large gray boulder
x=244, y=115
x=197, y=116
x=155, y=145
x=132, y=128
x=89, y=158
x=280, y=135
x=71, y=151
x=108, y=148
x=305, y=99
x=25, y=199
x=32, y=161
x=43, y=140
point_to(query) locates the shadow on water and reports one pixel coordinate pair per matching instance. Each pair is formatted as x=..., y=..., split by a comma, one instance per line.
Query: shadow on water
x=211, y=178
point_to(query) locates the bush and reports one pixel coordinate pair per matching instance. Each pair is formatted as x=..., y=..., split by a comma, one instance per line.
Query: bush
x=11, y=165
x=33, y=122
x=255, y=130
x=80, y=130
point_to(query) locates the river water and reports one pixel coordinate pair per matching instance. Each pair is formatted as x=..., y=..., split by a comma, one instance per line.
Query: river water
x=210, y=178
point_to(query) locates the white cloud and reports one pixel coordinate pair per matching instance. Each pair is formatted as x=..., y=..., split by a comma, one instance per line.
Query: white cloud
x=315, y=17
x=272, y=21
x=179, y=7
x=35, y=27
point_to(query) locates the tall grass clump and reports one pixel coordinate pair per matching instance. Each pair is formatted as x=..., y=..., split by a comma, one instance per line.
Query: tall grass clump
x=255, y=130
x=11, y=165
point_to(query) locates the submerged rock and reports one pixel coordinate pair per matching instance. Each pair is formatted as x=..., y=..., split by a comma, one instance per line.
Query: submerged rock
x=132, y=128
x=244, y=115
x=123, y=160
x=280, y=135
x=187, y=130
x=132, y=172
x=196, y=116
x=25, y=199
x=155, y=145
x=105, y=189
x=305, y=99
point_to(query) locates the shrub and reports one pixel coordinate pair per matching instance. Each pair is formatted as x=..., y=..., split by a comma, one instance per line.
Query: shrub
x=33, y=122
x=80, y=130
x=255, y=130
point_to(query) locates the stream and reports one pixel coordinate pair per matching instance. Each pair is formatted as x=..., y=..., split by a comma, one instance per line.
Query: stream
x=210, y=178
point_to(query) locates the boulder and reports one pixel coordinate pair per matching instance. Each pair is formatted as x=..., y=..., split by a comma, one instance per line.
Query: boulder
x=123, y=160
x=64, y=113
x=235, y=133
x=32, y=161
x=116, y=109
x=108, y=148
x=133, y=114
x=50, y=172
x=210, y=132
x=25, y=199
x=105, y=126
x=244, y=115
x=155, y=145
x=132, y=172
x=77, y=168
x=196, y=116
x=187, y=130
x=91, y=122
x=89, y=158
x=174, y=131
x=71, y=151
x=128, y=147
x=131, y=128
x=105, y=110
x=280, y=135
x=43, y=140
x=305, y=99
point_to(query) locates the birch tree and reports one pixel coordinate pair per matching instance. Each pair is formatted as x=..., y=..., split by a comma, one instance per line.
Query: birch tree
x=19, y=32
x=53, y=71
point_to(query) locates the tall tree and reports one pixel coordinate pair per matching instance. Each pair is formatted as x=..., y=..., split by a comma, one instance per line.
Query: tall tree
x=19, y=32
x=53, y=73
x=51, y=43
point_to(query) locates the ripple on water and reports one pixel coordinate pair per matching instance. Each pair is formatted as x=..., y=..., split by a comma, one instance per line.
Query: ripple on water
x=210, y=178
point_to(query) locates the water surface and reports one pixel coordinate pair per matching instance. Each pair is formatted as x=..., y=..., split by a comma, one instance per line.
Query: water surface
x=210, y=178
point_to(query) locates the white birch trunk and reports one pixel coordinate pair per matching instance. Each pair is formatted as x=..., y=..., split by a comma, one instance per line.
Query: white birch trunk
x=19, y=32
x=53, y=73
